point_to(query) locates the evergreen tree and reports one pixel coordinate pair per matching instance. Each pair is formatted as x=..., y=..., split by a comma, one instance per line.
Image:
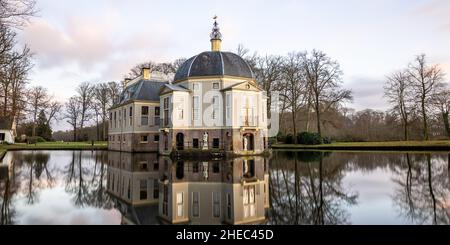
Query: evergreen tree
x=43, y=128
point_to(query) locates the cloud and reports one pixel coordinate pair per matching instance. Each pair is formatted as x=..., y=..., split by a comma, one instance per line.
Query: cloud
x=438, y=9
x=367, y=92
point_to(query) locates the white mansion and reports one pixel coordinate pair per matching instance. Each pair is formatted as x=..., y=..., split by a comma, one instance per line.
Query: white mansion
x=213, y=102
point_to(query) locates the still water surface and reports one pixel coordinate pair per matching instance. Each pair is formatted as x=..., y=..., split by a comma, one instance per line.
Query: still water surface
x=100, y=187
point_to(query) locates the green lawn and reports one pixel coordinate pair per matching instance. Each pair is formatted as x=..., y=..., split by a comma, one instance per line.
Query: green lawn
x=371, y=145
x=100, y=145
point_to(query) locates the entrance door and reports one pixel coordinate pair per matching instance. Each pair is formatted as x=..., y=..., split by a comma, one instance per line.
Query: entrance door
x=248, y=142
x=180, y=141
x=2, y=136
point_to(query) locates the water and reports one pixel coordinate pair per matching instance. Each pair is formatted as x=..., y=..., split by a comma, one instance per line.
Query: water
x=100, y=187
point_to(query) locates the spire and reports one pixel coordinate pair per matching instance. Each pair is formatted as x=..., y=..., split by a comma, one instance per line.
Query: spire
x=216, y=36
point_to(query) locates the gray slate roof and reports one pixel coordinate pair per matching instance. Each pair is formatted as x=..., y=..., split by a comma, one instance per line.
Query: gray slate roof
x=214, y=64
x=176, y=87
x=141, y=90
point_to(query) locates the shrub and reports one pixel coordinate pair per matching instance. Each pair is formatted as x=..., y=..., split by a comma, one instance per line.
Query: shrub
x=289, y=139
x=34, y=140
x=327, y=140
x=272, y=141
x=306, y=138
x=281, y=137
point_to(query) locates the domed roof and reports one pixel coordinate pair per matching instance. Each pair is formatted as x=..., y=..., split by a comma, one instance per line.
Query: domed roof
x=214, y=63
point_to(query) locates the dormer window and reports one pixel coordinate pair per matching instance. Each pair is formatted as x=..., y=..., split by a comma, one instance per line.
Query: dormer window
x=216, y=86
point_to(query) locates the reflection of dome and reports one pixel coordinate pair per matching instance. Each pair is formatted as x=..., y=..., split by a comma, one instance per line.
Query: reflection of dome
x=214, y=63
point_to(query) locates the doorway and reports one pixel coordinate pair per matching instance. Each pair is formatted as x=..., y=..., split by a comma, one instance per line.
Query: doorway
x=180, y=141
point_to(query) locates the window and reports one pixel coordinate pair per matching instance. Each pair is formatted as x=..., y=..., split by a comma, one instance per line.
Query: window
x=229, y=206
x=216, y=167
x=166, y=111
x=115, y=119
x=129, y=190
x=155, y=166
x=180, y=202
x=143, y=189
x=195, y=108
x=215, y=85
x=195, y=86
x=144, y=115
x=157, y=115
x=110, y=119
x=216, y=143
x=131, y=116
x=155, y=189
x=195, y=143
x=180, y=114
x=215, y=107
x=143, y=166
x=156, y=138
x=165, y=200
x=228, y=106
x=216, y=204
x=195, y=167
x=144, y=139
x=249, y=201
x=195, y=204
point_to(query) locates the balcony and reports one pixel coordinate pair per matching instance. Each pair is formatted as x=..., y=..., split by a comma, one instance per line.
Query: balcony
x=249, y=121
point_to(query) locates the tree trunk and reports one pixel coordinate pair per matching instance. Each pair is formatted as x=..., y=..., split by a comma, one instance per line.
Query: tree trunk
x=446, y=124
x=319, y=131
x=293, y=125
x=405, y=129
x=425, y=123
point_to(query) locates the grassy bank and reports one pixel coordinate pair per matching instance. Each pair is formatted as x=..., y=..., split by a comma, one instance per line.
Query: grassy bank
x=101, y=145
x=443, y=145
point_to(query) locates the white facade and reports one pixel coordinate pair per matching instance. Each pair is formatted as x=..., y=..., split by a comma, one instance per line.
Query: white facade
x=6, y=136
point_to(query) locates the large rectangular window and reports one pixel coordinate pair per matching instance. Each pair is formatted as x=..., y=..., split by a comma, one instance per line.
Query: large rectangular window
x=131, y=116
x=144, y=115
x=215, y=107
x=143, y=189
x=166, y=111
x=196, y=204
x=216, y=204
x=249, y=201
x=195, y=108
x=180, y=205
x=228, y=106
x=155, y=189
x=157, y=115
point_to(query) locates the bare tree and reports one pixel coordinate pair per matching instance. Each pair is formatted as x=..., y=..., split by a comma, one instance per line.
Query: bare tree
x=114, y=91
x=442, y=102
x=73, y=114
x=38, y=100
x=269, y=75
x=426, y=82
x=398, y=92
x=104, y=102
x=85, y=96
x=53, y=109
x=16, y=13
x=324, y=80
x=295, y=82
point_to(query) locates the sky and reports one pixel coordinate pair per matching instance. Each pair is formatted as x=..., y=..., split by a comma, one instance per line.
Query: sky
x=99, y=41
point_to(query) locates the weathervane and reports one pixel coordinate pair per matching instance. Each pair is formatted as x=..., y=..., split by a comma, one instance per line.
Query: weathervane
x=215, y=34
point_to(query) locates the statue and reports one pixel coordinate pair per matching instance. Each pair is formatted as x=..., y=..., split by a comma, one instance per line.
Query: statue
x=205, y=141
x=205, y=170
x=245, y=143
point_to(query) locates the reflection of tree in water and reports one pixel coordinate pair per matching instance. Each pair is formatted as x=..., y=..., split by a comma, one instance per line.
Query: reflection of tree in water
x=306, y=188
x=86, y=179
x=423, y=194
x=28, y=174
x=35, y=174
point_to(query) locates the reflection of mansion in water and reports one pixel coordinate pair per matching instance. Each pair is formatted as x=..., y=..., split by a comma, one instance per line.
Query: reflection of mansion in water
x=151, y=190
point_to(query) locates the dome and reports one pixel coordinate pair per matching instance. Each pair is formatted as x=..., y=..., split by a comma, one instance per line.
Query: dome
x=214, y=63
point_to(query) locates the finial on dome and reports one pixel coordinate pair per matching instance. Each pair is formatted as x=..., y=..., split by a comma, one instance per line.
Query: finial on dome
x=216, y=36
